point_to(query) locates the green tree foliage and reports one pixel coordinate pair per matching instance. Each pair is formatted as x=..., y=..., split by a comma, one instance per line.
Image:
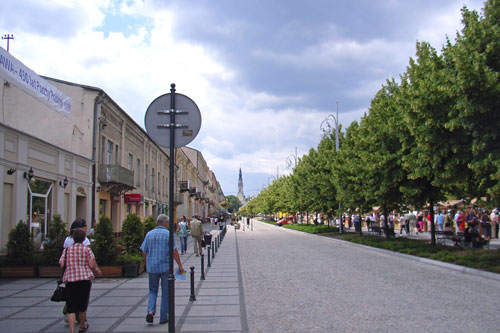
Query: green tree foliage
x=104, y=245
x=20, y=245
x=235, y=203
x=148, y=224
x=132, y=234
x=475, y=58
x=54, y=243
x=432, y=136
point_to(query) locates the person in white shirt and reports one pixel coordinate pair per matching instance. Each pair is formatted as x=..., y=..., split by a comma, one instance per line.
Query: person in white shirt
x=494, y=222
x=79, y=223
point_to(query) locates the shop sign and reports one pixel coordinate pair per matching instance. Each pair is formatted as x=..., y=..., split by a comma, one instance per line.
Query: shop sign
x=115, y=197
x=133, y=197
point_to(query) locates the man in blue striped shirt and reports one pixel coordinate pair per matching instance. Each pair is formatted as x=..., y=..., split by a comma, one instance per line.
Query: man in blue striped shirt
x=155, y=250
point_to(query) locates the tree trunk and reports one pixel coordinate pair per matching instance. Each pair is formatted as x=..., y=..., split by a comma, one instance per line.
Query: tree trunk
x=433, y=228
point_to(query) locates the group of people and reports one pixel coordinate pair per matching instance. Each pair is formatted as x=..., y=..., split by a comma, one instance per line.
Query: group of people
x=80, y=267
x=480, y=221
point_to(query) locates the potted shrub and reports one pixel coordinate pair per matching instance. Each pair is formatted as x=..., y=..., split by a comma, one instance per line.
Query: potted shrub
x=105, y=248
x=52, y=249
x=148, y=224
x=131, y=264
x=132, y=237
x=19, y=260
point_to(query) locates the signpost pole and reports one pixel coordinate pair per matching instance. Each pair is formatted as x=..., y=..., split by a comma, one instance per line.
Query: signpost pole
x=189, y=122
x=171, y=280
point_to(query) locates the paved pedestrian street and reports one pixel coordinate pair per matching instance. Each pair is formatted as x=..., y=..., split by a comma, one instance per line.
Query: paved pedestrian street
x=269, y=279
x=297, y=282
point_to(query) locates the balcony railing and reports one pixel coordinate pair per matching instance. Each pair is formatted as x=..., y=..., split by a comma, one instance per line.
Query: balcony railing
x=115, y=178
x=192, y=191
x=178, y=199
x=184, y=186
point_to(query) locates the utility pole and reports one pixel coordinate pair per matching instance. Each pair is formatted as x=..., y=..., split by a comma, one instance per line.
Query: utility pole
x=8, y=37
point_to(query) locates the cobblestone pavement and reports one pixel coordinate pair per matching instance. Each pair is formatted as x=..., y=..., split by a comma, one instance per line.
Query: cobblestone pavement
x=119, y=304
x=296, y=282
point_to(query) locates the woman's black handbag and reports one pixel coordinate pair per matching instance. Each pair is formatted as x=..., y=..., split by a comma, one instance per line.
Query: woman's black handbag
x=60, y=292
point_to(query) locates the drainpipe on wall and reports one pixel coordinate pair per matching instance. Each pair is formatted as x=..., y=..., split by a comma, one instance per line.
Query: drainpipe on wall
x=98, y=100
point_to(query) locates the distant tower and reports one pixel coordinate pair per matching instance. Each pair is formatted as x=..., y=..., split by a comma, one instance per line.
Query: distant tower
x=241, y=196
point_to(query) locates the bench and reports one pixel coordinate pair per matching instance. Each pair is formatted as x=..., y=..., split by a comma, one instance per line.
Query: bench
x=442, y=236
x=379, y=230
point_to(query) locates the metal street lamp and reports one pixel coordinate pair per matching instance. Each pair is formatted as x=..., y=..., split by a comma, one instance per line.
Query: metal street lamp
x=291, y=160
x=327, y=127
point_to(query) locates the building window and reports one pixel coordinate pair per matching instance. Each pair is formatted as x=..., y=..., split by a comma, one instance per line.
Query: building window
x=138, y=178
x=109, y=157
x=146, y=176
x=130, y=161
x=117, y=159
x=152, y=179
x=103, y=150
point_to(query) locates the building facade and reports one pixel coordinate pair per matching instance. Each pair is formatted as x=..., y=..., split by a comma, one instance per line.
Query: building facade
x=86, y=159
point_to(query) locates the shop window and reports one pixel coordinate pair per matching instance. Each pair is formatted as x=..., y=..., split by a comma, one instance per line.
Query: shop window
x=39, y=208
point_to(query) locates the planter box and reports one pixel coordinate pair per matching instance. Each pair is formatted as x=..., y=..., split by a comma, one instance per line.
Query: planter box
x=111, y=271
x=49, y=271
x=18, y=271
x=130, y=270
x=142, y=268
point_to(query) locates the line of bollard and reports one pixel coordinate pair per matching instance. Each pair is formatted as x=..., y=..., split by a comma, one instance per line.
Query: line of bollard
x=208, y=257
x=202, y=277
x=213, y=250
x=192, y=297
x=216, y=245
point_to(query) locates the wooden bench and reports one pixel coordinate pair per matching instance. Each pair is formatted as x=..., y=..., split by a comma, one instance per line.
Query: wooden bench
x=442, y=236
x=379, y=230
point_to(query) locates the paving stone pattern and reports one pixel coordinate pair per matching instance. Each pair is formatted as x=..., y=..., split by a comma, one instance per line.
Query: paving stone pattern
x=270, y=279
x=119, y=305
x=296, y=282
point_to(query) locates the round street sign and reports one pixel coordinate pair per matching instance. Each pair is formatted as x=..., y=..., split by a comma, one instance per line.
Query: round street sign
x=187, y=120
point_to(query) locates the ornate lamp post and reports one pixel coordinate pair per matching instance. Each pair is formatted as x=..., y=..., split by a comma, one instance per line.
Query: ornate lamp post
x=327, y=127
x=291, y=160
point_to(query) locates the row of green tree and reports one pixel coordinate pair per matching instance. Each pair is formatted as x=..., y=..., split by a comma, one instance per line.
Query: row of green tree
x=432, y=134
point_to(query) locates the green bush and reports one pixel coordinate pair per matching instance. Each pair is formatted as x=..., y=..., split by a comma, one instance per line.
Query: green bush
x=132, y=234
x=104, y=245
x=312, y=228
x=127, y=258
x=53, y=244
x=149, y=224
x=20, y=246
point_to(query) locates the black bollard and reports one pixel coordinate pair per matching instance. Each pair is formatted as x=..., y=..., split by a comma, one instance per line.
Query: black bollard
x=208, y=257
x=202, y=267
x=214, y=249
x=192, y=297
x=216, y=244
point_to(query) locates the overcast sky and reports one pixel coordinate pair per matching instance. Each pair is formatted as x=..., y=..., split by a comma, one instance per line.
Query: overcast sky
x=264, y=73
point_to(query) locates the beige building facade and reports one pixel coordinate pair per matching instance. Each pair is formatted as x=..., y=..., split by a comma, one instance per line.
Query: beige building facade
x=89, y=160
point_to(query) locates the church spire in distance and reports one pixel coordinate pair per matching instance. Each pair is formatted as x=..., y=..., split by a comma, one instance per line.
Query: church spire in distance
x=241, y=196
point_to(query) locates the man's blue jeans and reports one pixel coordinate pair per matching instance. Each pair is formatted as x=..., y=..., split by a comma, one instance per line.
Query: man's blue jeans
x=154, y=279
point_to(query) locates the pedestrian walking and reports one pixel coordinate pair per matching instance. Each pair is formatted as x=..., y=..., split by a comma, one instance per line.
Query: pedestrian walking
x=196, y=233
x=183, y=231
x=440, y=221
x=412, y=221
x=156, y=253
x=78, y=223
x=494, y=222
x=81, y=269
x=404, y=224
